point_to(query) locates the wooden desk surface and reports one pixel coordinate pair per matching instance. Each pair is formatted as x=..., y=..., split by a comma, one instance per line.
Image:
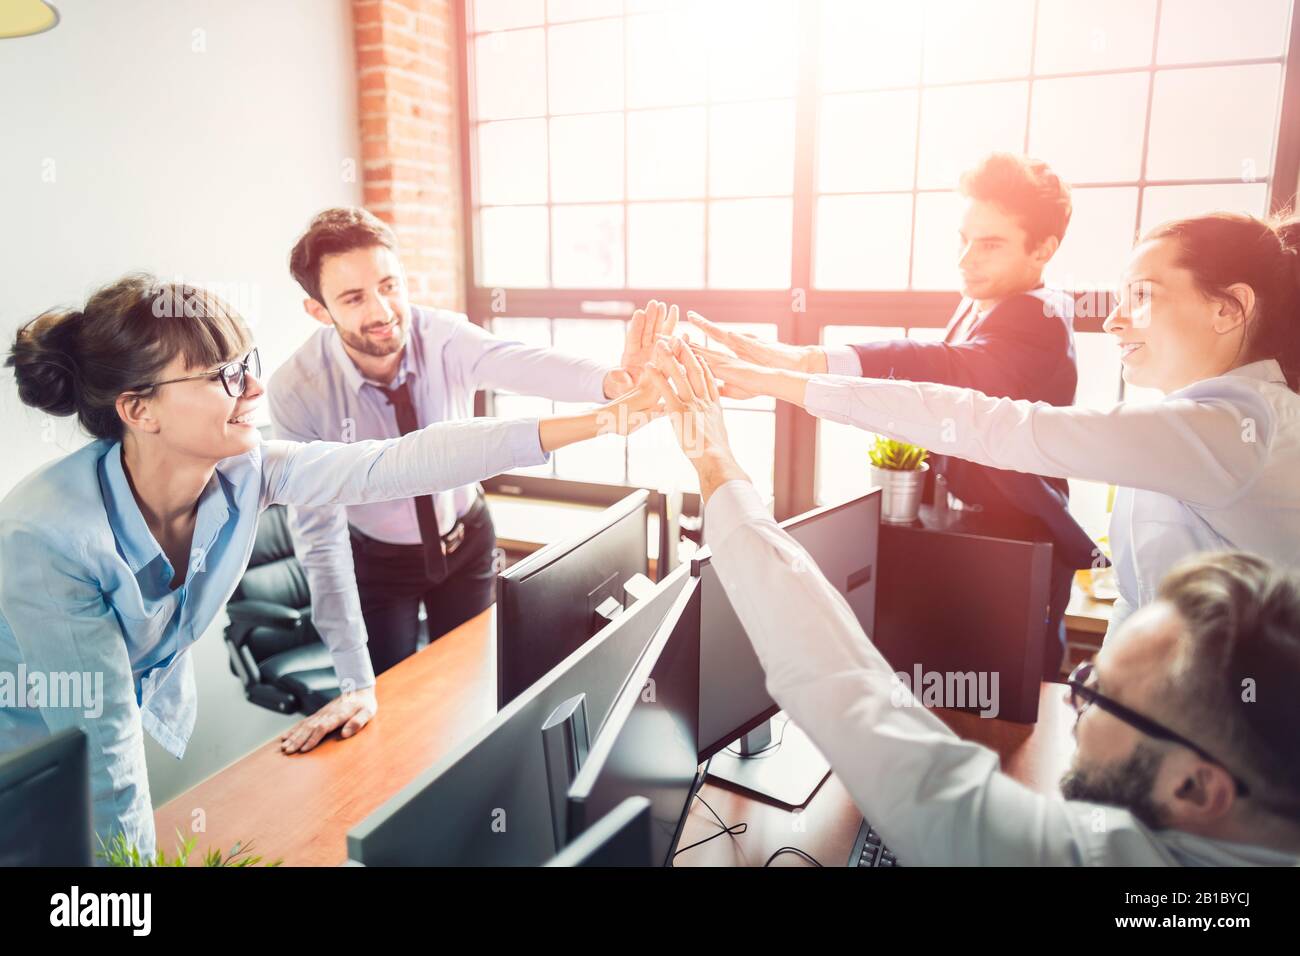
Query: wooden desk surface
x=300, y=808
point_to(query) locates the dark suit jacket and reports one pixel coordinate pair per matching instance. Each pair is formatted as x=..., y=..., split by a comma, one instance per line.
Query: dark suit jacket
x=1022, y=349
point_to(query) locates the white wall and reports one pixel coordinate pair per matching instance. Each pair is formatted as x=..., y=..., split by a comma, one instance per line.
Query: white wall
x=185, y=138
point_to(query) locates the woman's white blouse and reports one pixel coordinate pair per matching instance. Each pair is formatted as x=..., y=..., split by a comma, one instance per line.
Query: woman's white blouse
x=1212, y=466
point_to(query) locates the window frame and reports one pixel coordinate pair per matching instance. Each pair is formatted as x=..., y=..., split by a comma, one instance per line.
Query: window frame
x=796, y=433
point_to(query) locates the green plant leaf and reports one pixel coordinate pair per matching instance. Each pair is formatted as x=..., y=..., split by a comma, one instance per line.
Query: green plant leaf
x=890, y=455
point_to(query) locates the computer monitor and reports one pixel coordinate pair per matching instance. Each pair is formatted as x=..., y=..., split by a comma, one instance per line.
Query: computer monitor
x=843, y=541
x=646, y=745
x=45, y=807
x=555, y=599
x=487, y=802
x=989, y=625
x=620, y=838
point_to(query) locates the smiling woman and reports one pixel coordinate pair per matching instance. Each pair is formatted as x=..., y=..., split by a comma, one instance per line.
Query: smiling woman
x=141, y=323
x=1209, y=314
x=115, y=558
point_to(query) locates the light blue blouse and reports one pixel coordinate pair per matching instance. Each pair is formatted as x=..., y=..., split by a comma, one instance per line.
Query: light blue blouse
x=92, y=636
x=1212, y=466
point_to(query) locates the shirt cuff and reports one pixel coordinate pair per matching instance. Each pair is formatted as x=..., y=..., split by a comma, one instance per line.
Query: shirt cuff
x=524, y=440
x=732, y=504
x=842, y=360
x=353, y=668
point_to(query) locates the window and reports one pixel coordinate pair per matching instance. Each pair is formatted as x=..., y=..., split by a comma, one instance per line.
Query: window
x=649, y=457
x=792, y=165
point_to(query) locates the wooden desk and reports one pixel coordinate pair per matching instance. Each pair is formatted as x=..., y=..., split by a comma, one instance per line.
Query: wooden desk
x=300, y=808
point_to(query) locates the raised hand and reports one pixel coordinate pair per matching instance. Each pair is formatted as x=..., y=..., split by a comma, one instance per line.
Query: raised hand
x=740, y=379
x=655, y=321
x=648, y=325
x=794, y=358
x=692, y=401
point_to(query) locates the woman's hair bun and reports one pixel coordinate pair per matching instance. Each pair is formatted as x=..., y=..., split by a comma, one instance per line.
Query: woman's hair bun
x=44, y=361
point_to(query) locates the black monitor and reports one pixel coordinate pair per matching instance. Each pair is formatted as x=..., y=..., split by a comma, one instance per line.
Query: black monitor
x=45, y=807
x=620, y=838
x=555, y=599
x=990, y=624
x=843, y=541
x=646, y=745
x=487, y=802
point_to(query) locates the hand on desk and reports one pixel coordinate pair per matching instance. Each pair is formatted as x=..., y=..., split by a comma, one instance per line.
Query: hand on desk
x=351, y=711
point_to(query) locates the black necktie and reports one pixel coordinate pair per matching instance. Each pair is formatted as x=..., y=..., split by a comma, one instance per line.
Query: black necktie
x=435, y=562
x=951, y=337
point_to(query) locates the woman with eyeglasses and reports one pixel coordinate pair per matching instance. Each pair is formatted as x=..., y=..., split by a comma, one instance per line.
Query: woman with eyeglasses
x=117, y=557
x=1208, y=314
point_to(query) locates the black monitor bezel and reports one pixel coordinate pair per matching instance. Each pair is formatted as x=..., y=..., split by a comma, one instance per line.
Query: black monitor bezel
x=705, y=556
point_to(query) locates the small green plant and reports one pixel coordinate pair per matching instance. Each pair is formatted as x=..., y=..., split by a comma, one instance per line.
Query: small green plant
x=892, y=455
x=118, y=852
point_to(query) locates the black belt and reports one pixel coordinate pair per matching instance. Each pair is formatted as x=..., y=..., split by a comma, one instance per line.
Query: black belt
x=451, y=541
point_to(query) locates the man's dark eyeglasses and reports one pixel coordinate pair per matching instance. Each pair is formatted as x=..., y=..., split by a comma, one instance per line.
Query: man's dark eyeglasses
x=233, y=375
x=1081, y=695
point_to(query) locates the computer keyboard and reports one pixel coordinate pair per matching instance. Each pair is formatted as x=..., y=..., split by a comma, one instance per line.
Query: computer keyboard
x=869, y=850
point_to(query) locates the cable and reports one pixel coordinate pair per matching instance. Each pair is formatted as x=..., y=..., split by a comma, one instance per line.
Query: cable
x=792, y=849
x=722, y=823
x=732, y=830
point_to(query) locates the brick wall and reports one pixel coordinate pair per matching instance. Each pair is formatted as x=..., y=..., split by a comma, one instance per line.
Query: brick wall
x=410, y=158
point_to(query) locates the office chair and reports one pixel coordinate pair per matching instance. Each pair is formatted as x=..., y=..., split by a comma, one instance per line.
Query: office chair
x=273, y=646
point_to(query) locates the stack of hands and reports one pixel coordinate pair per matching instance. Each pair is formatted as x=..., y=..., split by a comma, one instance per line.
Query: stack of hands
x=664, y=374
x=660, y=374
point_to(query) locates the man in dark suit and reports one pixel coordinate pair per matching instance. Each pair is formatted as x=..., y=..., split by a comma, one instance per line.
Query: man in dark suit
x=1010, y=337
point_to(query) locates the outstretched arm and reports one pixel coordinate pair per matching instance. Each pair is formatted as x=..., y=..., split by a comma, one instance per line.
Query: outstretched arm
x=435, y=458
x=943, y=799
x=1203, y=447
x=322, y=544
x=489, y=361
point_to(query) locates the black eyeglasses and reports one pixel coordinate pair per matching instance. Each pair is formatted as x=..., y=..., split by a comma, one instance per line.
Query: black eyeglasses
x=234, y=375
x=1081, y=695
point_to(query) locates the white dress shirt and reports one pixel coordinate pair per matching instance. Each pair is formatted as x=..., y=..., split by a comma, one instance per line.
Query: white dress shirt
x=1212, y=466
x=934, y=798
x=320, y=394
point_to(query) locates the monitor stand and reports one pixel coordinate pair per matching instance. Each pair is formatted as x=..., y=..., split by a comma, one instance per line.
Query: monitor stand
x=566, y=742
x=786, y=773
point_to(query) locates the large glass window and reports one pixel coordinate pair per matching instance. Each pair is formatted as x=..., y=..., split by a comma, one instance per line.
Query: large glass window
x=793, y=165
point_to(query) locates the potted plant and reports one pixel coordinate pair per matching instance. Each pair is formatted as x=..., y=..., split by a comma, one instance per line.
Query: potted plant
x=899, y=470
x=118, y=851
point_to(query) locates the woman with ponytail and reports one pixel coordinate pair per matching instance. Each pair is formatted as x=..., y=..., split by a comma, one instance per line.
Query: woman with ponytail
x=1209, y=314
x=114, y=559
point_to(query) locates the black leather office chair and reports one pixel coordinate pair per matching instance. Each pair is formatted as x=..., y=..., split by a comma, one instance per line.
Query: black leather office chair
x=273, y=647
